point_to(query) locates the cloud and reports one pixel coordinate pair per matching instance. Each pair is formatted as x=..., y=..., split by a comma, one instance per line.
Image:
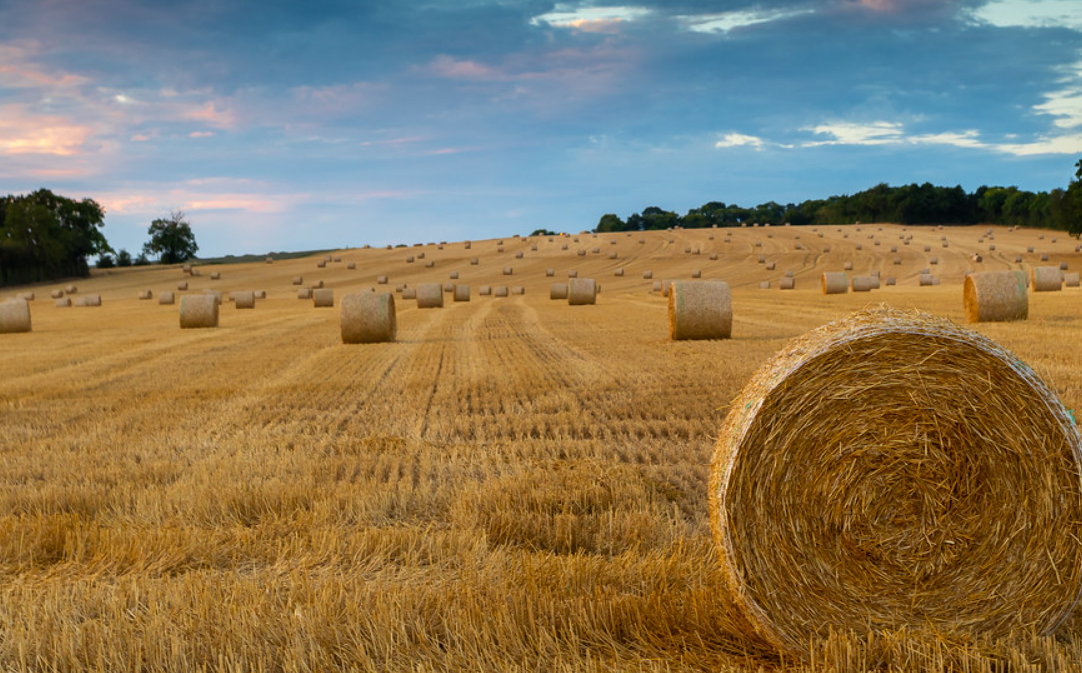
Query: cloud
x=22, y=132
x=1066, y=103
x=727, y=21
x=739, y=140
x=591, y=19
x=853, y=133
x=1031, y=14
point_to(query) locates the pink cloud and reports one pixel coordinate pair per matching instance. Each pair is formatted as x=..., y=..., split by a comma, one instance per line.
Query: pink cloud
x=211, y=114
x=17, y=71
x=24, y=133
x=447, y=66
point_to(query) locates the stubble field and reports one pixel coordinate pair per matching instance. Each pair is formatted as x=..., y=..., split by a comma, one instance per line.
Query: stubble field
x=515, y=484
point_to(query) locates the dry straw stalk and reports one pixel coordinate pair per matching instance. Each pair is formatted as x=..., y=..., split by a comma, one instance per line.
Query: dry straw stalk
x=994, y=296
x=893, y=470
x=700, y=310
x=368, y=317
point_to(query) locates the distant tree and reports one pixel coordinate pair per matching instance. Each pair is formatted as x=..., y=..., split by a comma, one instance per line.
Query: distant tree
x=45, y=236
x=542, y=232
x=123, y=258
x=105, y=261
x=141, y=259
x=610, y=222
x=171, y=239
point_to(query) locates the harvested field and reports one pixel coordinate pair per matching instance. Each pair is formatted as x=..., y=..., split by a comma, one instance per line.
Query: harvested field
x=513, y=484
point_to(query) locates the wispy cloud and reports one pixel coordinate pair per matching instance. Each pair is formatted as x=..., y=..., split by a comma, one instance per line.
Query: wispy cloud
x=1031, y=13
x=591, y=19
x=739, y=140
x=23, y=132
x=728, y=21
x=854, y=133
x=894, y=133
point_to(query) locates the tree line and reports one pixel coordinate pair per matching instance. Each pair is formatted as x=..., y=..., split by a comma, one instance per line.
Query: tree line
x=911, y=204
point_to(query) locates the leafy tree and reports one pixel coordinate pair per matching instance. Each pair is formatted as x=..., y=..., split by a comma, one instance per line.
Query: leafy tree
x=45, y=236
x=610, y=222
x=171, y=239
x=141, y=259
x=123, y=258
x=105, y=261
x=541, y=232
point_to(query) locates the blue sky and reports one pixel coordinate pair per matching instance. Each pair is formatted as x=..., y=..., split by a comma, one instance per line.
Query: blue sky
x=284, y=126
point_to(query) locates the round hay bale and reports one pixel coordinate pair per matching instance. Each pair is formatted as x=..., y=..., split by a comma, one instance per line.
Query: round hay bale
x=298, y=280
x=166, y=298
x=409, y=293
x=56, y=294
x=323, y=297
x=700, y=310
x=474, y=261
x=507, y=271
x=462, y=292
x=448, y=288
x=146, y=294
x=897, y=261
x=891, y=499
x=834, y=282
x=518, y=289
x=1071, y=279
x=558, y=291
x=771, y=266
x=430, y=264
x=1044, y=256
x=409, y=259
x=1063, y=266
x=14, y=316
x=89, y=300
x=1047, y=279
x=995, y=296
x=63, y=302
x=787, y=283
x=217, y=294
x=935, y=260
x=260, y=294
x=182, y=286
x=572, y=274
x=764, y=285
x=848, y=266
x=215, y=275
x=890, y=280
x=485, y=290
x=198, y=311
x=618, y=272
x=244, y=299
x=864, y=283
x=322, y=263
x=28, y=296
x=429, y=295
x=581, y=292
x=381, y=280
x=453, y=275
x=926, y=279
x=647, y=275
x=304, y=293
x=499, y=291
x=368, y=317
x=656, y=286
x=70, y=289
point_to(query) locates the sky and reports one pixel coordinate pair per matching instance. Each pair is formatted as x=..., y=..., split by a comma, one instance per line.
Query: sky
x=284, y=125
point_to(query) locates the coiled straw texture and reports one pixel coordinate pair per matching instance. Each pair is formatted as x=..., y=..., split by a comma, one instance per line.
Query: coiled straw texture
x=894, y=470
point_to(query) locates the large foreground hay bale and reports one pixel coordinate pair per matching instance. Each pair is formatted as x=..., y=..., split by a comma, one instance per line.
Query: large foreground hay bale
x=1047, y=279
x=14, y=316
x=429, y=295
x=581, y=291
x=834, y=282
x=700, y=310
x=894, y=470
x=198, y=310
x=368, y=317
x=993, y=296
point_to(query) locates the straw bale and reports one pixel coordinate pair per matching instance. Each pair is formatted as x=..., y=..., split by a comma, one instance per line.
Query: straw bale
x=323, y=297
x=1047, y=279
x=572, y=274
x=856, y=486
x=381, y=280
x=558, y=291
x=244, y=299
x=14, y=316
x=1044, y=256
x=764, y=285
x=700, y=310
x=430, y=264
x=182, y=286
x=656, y=287
x=787, y=283
x=429, y=295
x=518, y=289
x=995, y=296
x=549, y=273
x=890, y=280
x=665, y=286
x=926, y=279
x=409, y=259
x=70, y=289
x=146, y=294
x=215, y=275
x=1071, y=279
x=507, y=271
x=453, y=275
x=461, y=292
x=368, y=317
x=322, y=263
x=409, y=293
x=499, y=291
x=518, y=255
x=89, y=300
x=298, y=280
x=63, y=302
x=834, y=282
x=304, y=293
x=198, y=311
x=771, y=266
x=864, y=283
x=1063, y=266
x=935, y=260
x=618, y=272
x=696, y=273
x=56, y=294
x=485, y=290
x=647, y=275
x=581, y=291
x=448, y=288
x=166, y=298
x=217, y=294
x=848, y=266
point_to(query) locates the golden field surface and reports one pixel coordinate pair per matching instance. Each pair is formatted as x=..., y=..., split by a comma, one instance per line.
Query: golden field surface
x=514, y=485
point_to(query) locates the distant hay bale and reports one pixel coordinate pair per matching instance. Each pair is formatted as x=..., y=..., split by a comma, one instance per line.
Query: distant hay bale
x=618, y=272
x=474, y=261
x=351, y=265
x=995, y=296
x=260, y=294
x=935, y=260
x=270, y=260
x=764, y=285
x=1018, y=259
x=834, y=282
x=28, y=296
x=453, y=275
x=848, y=266
x=1047, y=279
x=977, y=258
x=713, y=256
x=244, y=299
x=581, y=291
x=1063, y=266
x=187, y=268
x=323, y=297
x=462, y=292
x=91, y=300
x=926, y=279
x=198, y=311
x=507, y=271
x=1044, y=256
x=430, y=264
x=499, y=291
x=429, y=295
x=558, y=291
x=771, y=266
x=381, y=280
x=337, y=260
x=890, y=280
x=448, y=288
x=304, y=293
x=1071, y=279
x=63, y=302
x=70, y=289
x=368, y=317
x=581, y=253
x=182, y=286
x=409, y=293
x=572, y=274
x=647, y=275
x=409, y=259
x=696, y=273
x=215, y=275
x=787, y=284
x=519, y=255
x=485, y=290
x=217, y=294
x=316, y=285
x=891, y=500
x=700, y=310
x=656, y=286
x=166, y=298
x=56, y=294
x=298, y=280
x=146, y=294
x=864, y=283
x=666, y=285
x=322, y=263
x=14, y=316
x=518, y=289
